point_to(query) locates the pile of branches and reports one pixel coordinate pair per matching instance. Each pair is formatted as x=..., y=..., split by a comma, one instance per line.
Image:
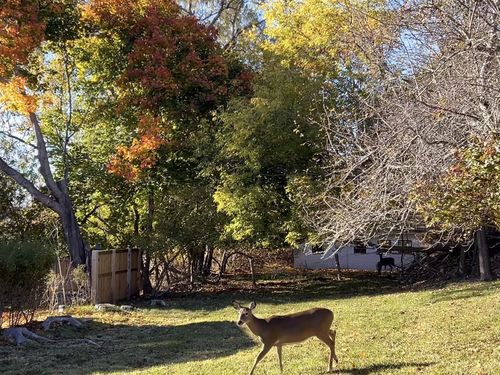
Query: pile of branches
x=447, y=264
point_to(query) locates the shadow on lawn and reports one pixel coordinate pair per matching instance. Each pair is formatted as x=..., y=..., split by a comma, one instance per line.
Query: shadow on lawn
x=291, y=290
x=477, y=290
x=126, y=348
x=382, y=366
x=298, y=289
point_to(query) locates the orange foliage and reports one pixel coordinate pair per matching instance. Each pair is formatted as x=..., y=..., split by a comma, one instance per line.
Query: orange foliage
x=174, y=61
x=174, y=66
x=21, y=31
x=142, y=154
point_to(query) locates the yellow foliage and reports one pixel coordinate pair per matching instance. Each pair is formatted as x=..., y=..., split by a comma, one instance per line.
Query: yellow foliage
x=14, y=97
x=317, y=34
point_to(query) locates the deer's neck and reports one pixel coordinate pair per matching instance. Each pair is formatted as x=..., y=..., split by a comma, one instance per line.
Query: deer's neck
x=257, y=326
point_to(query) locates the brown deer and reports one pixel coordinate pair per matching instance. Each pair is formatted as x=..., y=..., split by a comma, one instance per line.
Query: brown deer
x=287, y=329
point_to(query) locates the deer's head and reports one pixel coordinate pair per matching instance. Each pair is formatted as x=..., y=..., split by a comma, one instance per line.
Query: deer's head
x=245, y=313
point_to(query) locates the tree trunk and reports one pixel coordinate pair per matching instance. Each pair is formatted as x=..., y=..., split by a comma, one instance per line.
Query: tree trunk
x=207, y=266
x=197, y=263
x=483, y=256
x=147, y=287
x=461, y=262
x=337, y=263
x=73, y=236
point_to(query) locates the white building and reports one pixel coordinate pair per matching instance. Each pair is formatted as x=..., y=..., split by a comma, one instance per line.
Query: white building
x=355, y=257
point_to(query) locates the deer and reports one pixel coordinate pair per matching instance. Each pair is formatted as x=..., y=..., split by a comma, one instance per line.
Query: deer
x=385, y=262
x=281, y=330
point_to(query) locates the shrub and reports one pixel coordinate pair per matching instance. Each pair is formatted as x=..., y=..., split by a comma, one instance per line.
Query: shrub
x=24, y=267
x=67, y=288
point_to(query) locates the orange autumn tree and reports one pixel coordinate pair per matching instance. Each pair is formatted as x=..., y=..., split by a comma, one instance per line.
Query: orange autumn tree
x=175, y=72
x=22, y=30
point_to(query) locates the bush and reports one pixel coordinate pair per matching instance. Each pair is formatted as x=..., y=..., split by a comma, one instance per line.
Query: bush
x=67, y=288
x=24, y=267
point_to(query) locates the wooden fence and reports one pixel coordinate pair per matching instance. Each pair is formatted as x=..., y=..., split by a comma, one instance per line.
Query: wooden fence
x=115, y=275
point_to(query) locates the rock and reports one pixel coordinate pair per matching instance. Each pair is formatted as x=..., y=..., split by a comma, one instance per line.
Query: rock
x=68, y=319
x=107, y=307
x=127, y=308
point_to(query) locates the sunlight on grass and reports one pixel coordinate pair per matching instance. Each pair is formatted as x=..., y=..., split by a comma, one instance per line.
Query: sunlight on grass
x=454, y=330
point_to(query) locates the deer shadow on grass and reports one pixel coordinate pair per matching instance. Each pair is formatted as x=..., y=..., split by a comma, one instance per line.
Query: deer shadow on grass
x=125, y=348
x=381, y=367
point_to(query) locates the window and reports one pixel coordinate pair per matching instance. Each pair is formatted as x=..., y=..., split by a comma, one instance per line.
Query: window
x=405, y=243
x=317, y=248
x=359, y=248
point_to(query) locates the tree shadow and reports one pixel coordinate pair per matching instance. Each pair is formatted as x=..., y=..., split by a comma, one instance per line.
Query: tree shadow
x=383, y=366
x=318, y=286
x=292, y=289
x=477, y=290
x=125, y=348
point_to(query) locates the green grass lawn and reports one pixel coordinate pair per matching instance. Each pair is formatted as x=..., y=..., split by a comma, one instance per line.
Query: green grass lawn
x=380, y=330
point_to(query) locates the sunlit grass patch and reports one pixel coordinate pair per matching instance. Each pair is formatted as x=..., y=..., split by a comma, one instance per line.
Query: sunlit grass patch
x=381, y=330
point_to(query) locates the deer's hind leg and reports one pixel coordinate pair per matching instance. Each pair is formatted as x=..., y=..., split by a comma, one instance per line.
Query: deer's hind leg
x=333, y=336
x=279, y=350
x=325, y=337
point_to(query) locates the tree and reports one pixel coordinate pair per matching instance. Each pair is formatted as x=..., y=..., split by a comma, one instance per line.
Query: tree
x=26, y=26
x=268, y=149
x=432, y=91
x=465, y=200
x=162, y=88
x=232, y=18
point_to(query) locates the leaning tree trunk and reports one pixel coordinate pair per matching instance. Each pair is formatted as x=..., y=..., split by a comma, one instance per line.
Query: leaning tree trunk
x=58, y=198
x=483, y=255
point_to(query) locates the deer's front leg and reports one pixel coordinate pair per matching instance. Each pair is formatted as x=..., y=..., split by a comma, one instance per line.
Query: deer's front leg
x=263, y=352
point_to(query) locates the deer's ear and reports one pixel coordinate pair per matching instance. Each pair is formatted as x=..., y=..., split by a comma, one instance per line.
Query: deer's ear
x=252, y=305
x=236, y=305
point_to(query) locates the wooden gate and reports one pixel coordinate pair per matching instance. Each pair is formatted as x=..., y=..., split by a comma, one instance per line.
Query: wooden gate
x=115, y=275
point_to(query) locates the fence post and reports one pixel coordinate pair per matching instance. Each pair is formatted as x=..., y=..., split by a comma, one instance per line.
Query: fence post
x=250, y=260
x=129, y=273
x=139, y=270
x=94, y=289
x=113, y=276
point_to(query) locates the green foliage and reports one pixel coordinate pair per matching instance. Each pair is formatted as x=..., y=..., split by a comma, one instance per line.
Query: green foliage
x=266, y=142
x=21, y=218
x=467, y=196
x=24, y=267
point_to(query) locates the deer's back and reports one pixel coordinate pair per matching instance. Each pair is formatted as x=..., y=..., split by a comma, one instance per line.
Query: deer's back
x=300, y=326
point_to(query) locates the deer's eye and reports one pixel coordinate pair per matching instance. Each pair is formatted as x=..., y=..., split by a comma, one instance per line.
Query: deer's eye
x=245, y=313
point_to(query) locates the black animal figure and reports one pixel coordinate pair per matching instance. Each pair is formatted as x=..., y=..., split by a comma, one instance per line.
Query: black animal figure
x=385, y=262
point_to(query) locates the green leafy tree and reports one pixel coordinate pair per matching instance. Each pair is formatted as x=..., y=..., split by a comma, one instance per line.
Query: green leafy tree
x=267, y=144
